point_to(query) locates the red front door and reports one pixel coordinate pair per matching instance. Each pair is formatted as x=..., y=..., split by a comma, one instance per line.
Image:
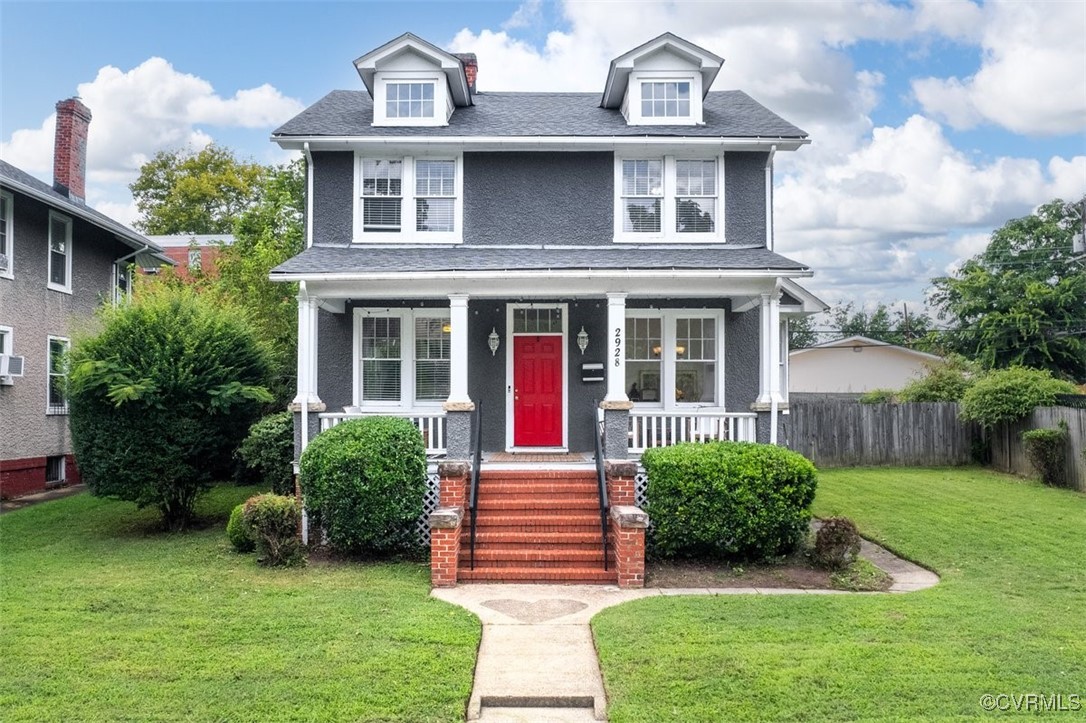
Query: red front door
x=537, y=391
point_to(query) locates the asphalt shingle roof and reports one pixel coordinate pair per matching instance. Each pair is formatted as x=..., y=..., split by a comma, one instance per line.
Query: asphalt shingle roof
x=326, y=259
x=732, y=114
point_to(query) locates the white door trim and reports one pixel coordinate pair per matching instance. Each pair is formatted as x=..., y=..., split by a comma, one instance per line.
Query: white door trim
x=509, y=416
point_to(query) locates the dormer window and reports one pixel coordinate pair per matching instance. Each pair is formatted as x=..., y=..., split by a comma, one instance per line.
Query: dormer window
x=670, y=99
x=409, y=100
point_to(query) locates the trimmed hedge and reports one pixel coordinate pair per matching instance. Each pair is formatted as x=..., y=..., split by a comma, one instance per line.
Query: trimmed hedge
x=1045, y=449
x=268, y=452
x=365, y=479
x=238, y=531
x=1007, y=395
x=273, y=520
x=731, y=500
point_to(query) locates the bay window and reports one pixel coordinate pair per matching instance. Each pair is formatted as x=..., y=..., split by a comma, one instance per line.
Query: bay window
x=401, y=357
x=672, y=357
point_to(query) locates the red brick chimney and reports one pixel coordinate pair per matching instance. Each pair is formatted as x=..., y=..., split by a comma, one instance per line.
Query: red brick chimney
x=70, y=149
x=471, y=68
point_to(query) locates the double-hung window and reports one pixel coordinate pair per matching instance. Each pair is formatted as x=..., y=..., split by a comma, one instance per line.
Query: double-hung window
x=58, y=375
x=667, y=99
x=7, y=236
x=668, y=199
x=415, y=199
x=402, y=357
x=60, y=253
x=672, y=357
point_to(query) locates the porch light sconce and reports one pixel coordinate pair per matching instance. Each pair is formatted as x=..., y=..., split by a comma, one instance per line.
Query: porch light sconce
x=493, y=341
x=582, y=340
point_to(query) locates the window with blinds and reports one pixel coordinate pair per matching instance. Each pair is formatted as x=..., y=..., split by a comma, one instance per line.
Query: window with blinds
x=435, y=196
x=382, y=195
x=432, y=359
x=380, y=359
x=695, y=204
x=642, y=192
x=403, y=356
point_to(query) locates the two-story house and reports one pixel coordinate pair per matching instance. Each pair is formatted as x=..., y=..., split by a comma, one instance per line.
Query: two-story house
x=563, y=262
x=59, y=260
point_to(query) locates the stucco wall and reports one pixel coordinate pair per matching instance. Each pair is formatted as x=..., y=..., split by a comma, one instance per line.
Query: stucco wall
x=333, y=198
x=36, y=313
x=744, y=197
x=841, y=370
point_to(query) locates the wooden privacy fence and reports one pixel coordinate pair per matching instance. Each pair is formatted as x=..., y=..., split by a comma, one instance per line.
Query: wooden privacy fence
x=833, y=433
x=1009, y=454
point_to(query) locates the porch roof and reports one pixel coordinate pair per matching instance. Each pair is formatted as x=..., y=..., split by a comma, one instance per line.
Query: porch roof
x=362, y=261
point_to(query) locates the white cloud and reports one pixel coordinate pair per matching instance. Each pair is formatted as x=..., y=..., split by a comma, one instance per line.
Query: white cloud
x=529, y=13
x=1032, y=77
x=141, y=111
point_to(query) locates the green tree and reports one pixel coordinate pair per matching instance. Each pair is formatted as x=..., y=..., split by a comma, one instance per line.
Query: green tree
x=1022, y=301
x=900, y=327
x=181, y=191
x=801, y=332
x=162, y=395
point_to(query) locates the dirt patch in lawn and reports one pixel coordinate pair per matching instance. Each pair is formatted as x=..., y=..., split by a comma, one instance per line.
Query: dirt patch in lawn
x=790, y=573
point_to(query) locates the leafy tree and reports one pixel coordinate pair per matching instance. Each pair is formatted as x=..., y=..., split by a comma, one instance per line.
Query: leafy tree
x=1022, y=301
x=182, y=191
x=897, y=327
x=1007, y=395
x=802, y=332
x=943, y=382
x=162, y=396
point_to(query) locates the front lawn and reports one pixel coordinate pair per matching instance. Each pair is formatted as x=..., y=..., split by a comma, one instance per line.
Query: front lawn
x=1009, y=616
x=105, y=618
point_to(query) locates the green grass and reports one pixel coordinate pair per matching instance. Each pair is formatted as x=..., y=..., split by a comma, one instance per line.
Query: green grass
x=861, y=576
x=106, y=618
x=1008, y=617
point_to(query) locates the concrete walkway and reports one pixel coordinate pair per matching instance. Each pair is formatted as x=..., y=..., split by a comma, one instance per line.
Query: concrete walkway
x=537, y=661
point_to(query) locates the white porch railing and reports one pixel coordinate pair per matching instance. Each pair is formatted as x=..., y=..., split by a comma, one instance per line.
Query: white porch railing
x=431, y=424
x=657, y=428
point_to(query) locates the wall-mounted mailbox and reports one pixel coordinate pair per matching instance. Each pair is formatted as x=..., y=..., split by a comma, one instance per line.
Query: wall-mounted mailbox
x=592, y=372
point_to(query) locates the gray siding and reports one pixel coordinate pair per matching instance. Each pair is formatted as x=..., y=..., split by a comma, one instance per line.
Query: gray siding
x=536, y=198
x=35, y=313
x=744, y=197
x=333, y=198
x=741, y=360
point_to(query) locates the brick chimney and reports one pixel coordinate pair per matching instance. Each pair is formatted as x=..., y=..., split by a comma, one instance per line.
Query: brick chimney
x=70, y=149
x=471, y=68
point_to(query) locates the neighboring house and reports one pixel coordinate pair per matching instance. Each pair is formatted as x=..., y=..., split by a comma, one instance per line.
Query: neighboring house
x=549, y=257
x=193, y=252
x=855, y=365
x=59, y=259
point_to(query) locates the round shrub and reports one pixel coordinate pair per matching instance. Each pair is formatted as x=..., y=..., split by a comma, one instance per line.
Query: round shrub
x=238, y=532
x=941, y=383
x=268, y=451
x=837, y=543
x=365, y=479
x=731, y=500
x=1045, y=449
x=273, y=520
x=161, y=397
x=1007, y=395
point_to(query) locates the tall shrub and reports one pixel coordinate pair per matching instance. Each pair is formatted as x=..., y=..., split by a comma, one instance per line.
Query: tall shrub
x=268, y=451
x=941, y=383
x=161, y=397
x=1007, y=395
x=365, y=480
x=1045, y=449
x=732, y=500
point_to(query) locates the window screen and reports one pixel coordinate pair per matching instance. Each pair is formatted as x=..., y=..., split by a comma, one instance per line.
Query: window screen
x=381, y=359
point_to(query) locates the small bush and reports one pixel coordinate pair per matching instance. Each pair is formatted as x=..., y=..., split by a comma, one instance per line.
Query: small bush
x=878, y=396
x=1045, y=449
x=837, y=543
x=273, y=520
x=268, y=451
x=365, y=479
x=731, y=500
x=1007, y=395
x=238, y=531
x=941, y=383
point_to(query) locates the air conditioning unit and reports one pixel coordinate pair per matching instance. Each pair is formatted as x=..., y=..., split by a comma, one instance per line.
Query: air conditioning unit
x=11, y=366
x=4, y=263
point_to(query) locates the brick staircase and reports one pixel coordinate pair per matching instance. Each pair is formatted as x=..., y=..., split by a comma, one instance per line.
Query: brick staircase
x=536, y=526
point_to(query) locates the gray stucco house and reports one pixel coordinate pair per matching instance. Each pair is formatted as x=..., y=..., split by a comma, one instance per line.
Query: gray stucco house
x=59, y=260
x=564, y=261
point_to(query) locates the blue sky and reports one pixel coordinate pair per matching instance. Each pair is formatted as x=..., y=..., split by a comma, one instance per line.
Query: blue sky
x=933, y=122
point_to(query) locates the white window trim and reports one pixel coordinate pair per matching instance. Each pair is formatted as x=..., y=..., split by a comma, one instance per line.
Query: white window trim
x=407, y=317
x=510, y=417
x=7, y=346
x=49, y=409
x=65, y=288
x=9, y=234
x=667, y=233
x=443, y=105
x=631, y=104
x=668, y=318
x=407, y=232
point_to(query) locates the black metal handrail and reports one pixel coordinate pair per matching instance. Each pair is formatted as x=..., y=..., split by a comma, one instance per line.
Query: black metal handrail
x=601, y=479
x=476, y=463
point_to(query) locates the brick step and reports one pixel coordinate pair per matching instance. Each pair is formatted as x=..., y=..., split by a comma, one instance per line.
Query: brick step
x=538, y=574
x=542, y=489
x=563, y=475
x=538, y=503
x=497, y=542
x=534, y=539
x=551, y=557
x=548, y=518
x=538, y=528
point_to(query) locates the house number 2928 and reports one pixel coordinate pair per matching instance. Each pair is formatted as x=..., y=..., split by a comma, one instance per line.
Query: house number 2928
x=618, y=347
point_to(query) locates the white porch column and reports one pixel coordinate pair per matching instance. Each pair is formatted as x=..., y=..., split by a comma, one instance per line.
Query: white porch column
x=770, y=349
x=458, y=355
x=307, y=349
x=616, y=350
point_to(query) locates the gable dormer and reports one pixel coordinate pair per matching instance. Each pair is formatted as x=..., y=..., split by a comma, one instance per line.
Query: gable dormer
x=662, y=82
x=414, y=83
